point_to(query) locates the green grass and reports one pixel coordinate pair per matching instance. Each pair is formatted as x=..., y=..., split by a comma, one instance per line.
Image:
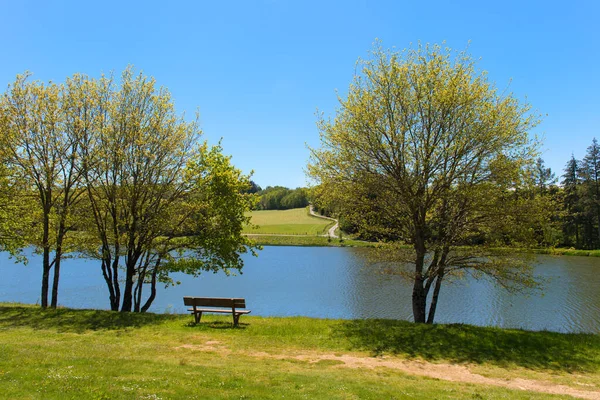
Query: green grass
x=567, y=252
x=287, y=222
x=70, y=354
x=309, y=241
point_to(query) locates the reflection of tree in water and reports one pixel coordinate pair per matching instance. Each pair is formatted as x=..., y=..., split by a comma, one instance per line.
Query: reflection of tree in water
x=375, y=293
x=570, y=300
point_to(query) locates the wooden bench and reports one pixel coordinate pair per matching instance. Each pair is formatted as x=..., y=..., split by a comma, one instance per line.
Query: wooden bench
x=198, y=305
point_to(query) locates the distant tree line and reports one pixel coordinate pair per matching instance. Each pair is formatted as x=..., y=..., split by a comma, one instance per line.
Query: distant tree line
x=561, y=211
x=579, y=200
x=281, y=198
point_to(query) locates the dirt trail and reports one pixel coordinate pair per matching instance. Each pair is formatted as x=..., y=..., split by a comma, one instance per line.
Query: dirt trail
x=447, y=372
x=331, y=232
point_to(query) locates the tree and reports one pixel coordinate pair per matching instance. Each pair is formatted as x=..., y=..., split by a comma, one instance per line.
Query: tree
x=590, y=175
x=254, y=188
x=159, y=201
x=424, y=150
x=571, y=202
x=41, y=147
x=543, y=177
x=282, y=198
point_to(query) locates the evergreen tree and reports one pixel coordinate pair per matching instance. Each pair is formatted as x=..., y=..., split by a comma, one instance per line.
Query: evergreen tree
x=543, y=177
x=590, y=174
x=571, y=184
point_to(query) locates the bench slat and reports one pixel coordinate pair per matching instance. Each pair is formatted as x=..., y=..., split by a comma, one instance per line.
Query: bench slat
x=214, y=302
x=219, y=310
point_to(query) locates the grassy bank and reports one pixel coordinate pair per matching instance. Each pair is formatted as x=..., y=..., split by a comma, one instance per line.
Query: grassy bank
x=320, y=241
x=308, y=241
x=567, y=252
x=99, y=354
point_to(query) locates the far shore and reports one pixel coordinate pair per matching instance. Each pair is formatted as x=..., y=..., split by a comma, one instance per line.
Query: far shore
x=321, y=241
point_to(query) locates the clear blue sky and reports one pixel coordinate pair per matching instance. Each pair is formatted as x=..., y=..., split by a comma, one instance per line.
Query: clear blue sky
x=258, y=70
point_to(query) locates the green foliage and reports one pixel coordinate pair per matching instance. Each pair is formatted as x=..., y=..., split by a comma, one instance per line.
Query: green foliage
x=282, y=198
x=41, y=143
x=424, y=150
x=117, y=175
x=579, y=198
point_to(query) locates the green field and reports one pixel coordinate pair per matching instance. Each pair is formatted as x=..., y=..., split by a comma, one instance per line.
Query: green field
x=88, y=354
x=287, y=222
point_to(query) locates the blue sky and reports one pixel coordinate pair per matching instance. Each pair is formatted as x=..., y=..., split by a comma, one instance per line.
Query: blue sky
x=258, y=70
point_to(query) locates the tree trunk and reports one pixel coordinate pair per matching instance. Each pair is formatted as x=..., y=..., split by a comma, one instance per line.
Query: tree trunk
x=45, y=276
x=57, y=259
x=598, y=215
x=434, y=298
x=128, y=291
x=115, y=282
x=137, y=292
x=419, y=297
x=107, y=274
x=152, y=290
x=46, y=257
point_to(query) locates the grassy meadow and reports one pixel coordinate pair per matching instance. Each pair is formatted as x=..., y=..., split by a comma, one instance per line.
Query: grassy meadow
x=296, y=221
x=91, y=354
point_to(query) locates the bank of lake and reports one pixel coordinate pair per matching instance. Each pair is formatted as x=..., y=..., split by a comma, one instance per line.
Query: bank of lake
x=67, y=353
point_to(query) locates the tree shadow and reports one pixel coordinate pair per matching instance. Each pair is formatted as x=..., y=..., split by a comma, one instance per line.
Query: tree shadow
x=216, y=325
x=472, y=344
x=78, y=321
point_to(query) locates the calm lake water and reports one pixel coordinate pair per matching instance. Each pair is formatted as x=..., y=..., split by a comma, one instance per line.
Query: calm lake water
x=339, y=283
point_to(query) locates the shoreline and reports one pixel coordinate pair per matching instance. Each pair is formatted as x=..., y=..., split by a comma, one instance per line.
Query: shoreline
x=264, y=239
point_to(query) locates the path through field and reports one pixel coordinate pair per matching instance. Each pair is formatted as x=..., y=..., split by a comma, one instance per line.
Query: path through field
x=442, y=371
x=331, y=232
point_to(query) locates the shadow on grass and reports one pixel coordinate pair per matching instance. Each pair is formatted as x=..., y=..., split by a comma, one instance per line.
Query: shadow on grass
x=472, y=344
x=216, y=325
x=70, y=320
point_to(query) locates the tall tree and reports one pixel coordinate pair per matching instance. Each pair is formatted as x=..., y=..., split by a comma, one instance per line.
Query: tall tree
x=142, y=174
x=590, y=174
x=426, y=150
x=543, y=177
x=41, y=147
x=571, y=202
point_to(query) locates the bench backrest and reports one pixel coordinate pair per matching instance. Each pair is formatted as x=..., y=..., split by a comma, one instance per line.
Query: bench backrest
x=214, y=302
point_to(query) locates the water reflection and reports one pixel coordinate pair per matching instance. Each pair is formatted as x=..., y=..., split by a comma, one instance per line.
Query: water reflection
x=341, y=283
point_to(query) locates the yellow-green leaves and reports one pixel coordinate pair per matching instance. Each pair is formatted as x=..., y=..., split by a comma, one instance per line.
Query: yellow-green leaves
x=117, y=175
x=422, y=150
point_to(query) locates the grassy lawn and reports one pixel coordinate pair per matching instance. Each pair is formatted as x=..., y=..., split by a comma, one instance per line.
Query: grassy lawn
x=287, y=222
x=73, y=354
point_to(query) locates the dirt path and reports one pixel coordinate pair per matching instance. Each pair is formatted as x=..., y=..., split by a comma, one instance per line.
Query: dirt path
x=447, y=372
x=331, y=232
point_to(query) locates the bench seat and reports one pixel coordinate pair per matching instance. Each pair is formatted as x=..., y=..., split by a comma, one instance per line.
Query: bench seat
x=216, y=305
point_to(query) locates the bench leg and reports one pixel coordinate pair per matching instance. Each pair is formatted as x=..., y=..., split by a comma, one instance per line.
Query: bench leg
x=236, y=319
x=198, y=316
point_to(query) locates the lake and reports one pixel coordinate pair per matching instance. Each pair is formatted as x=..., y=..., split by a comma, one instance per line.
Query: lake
x=326, y=282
